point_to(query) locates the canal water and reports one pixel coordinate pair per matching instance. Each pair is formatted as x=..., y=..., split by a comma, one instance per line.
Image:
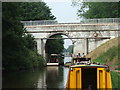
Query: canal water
x=47, y=77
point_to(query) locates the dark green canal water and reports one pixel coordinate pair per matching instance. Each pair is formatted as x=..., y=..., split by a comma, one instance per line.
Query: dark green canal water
x=47, y=77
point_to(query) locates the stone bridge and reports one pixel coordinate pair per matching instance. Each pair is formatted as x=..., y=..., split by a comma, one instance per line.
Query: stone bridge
x=85, y=35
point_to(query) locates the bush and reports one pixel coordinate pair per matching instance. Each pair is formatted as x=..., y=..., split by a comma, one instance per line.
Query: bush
x=115, y=79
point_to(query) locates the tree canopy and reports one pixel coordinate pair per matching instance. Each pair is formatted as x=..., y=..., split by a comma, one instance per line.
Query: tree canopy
x=18, y=48
x=55, y=46
x=99, y=10
x=36, y=11
x=70, y=49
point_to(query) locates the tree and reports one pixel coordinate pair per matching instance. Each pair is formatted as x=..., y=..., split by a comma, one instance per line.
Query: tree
x=36, y=11
x=55, y=46
x=70, y=49
x=99, y=10
x=30, y=43
x=18, y=47
x=13, y=42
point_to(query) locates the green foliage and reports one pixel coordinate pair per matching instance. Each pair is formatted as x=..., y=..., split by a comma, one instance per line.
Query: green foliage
x=29, y=41
x=64, y=50
x=117, y=63
x=99, y=10
x=109, y=54
x=18, y=48
x=36, y=60
x=55, y=46
x=115, y=79
x=12, y=35
x=36, y=11
x=70, y=49
x=117, y=68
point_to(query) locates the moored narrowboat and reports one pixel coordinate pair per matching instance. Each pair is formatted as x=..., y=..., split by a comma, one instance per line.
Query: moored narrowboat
x=53, y=61
x=89, y=76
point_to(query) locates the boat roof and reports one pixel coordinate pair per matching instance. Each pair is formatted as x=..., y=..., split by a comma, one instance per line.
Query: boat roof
x=53, y=54
x=91, y=65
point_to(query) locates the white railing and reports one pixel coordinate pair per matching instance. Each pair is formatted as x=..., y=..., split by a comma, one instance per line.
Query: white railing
x=100, y=21
x=84, y=21
x=39, y=22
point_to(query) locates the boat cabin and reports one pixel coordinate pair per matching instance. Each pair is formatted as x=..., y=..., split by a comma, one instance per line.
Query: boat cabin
x=53, y=61
x=53, y=58
x=87, y=76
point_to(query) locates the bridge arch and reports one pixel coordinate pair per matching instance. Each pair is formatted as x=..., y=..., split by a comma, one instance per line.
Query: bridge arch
x=55, y=34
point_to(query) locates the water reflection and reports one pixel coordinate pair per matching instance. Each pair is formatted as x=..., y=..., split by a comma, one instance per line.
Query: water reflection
x=47, y=77
x=56, y=77
x=21, y=79
x=42, y=80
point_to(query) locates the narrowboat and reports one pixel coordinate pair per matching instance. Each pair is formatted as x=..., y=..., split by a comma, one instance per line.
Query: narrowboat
x=84, y=75
x=53, y=61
